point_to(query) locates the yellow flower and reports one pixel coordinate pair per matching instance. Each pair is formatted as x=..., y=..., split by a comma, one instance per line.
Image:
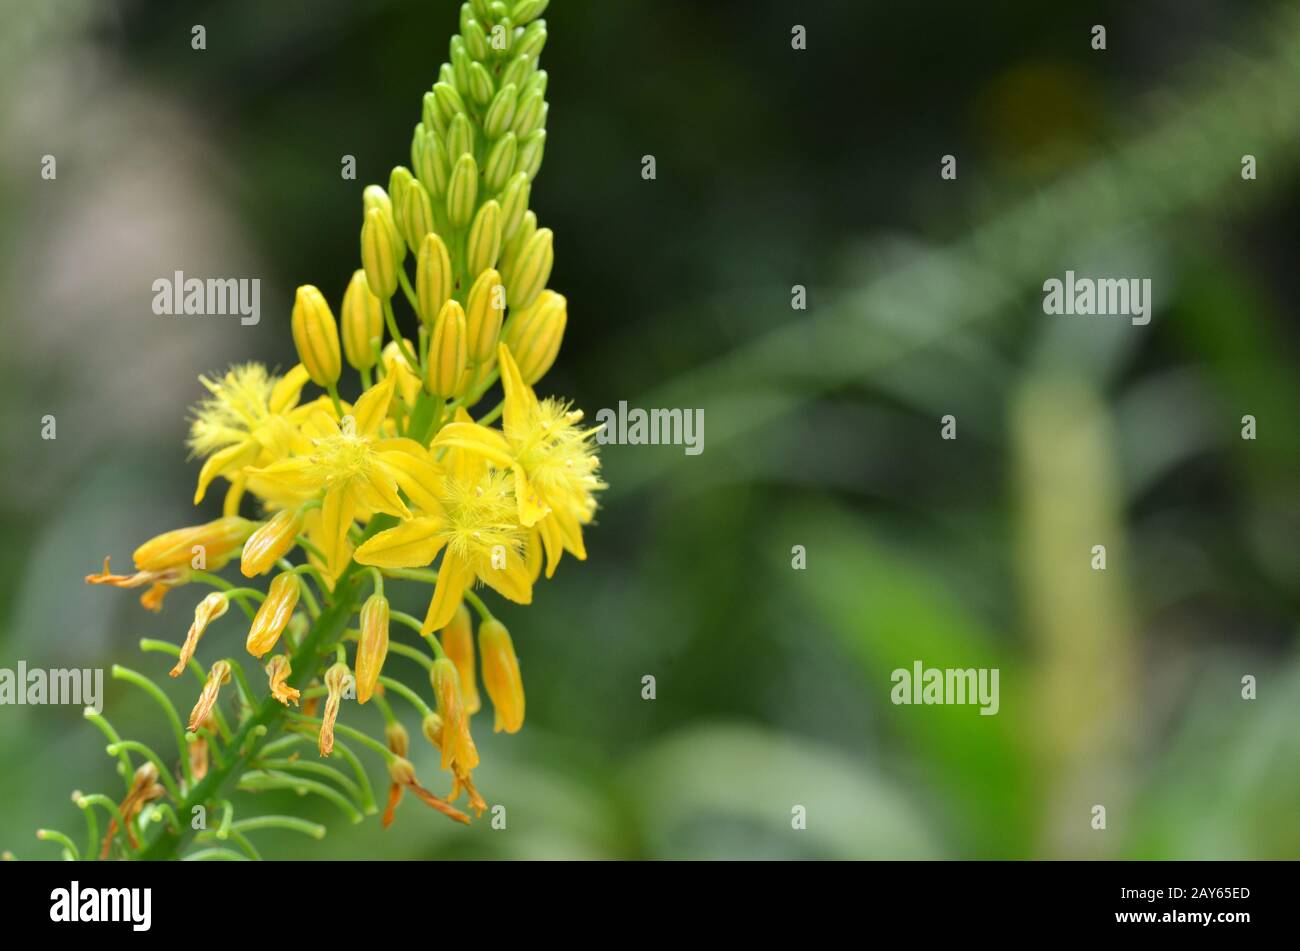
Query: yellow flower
x=278, y=671
x=372, y=648
x=357, y=470
x=274, y=614
x=458, y=643
x=475, y=528
x=217, y=676
x=209, y=609
x=501, y=675
x=458, y=751
x=552, y=457
x=245, y=422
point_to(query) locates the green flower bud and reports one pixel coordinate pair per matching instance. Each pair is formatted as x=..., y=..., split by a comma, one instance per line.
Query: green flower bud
x=534, y=38
x=529, y=115
x=484, y=242
x=536, y=81
x=462, y=191
x=416, y=219
x=519, y=71
x=501, y=113
x=527, y=228
x=398, y=181
x=484, y=310
x=430, y=162
x=316, y=336
x=481, y=88
x=449, y=102
x=362, y=320
x=448, y=355
x=532, y=270
x=531, y=149
x=481, y=9
x=500, y=162
x=381, y=253
x=460, y=63
x=476, y=40
x=460, y=137
x=447, y=75
x=535, y=333
x=505, y=28
x=514, y=202
x=525, y=11
x=433, y=120
x=433, y=277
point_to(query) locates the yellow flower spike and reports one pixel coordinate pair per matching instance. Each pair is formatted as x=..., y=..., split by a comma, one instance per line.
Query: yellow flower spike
x=270, y=542
x=218, y=676
x=362, y=320
x=277, y=672
x=484, y=310
x=448, y=352
x=433, y=277
x=209, y=609
x=274, y=614
x=534, y=335
x=501, y=675
x=372, y=649
x=380, y=257
x=484, y=242
x=217, y=541
x=316, y=336
x=336, y=679
x=458, y=644
x=532, y=269
x=458, y=751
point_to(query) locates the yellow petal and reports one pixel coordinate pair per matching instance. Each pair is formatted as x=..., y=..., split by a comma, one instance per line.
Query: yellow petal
x=227, y=460
x=336, y=518
x=299, y=476
x=521, y=403
x=234, y=495
x=532, y=507
x=571, y=532
x=454, y=576
x=553, y=543
x=288, y=389
x=418, y=477
x=513, y=581
x=370, y=410
x=488, y=443
x=412, y=544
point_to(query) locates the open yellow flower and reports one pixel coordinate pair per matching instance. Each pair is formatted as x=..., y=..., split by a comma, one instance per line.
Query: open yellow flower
x=245, y=422
x=475, y=529
x=357, y=470
x=552, y=457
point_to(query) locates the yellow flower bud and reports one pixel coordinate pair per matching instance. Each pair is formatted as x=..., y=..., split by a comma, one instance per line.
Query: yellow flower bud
x=382, y=251
x=462, y=191
x=375, y=197
x=514, y=202
x=362, y=321
x=372, y=649
x=277, y=672
x=458, y=644
x=484, y=242
x=396, y=738
x=433, y=277
x=217, y=676
x=532, y=270
x=458, y=751
x=274, y=614
x=430, y=161
x=431, y=727
x=416, y=218
x=448, y=356
x=484, y=310
x=216, y=541
x=316, y=336
x=270, y=542
x=209, y=609
x=534, y=335
x=501, y=675
x=500, y=162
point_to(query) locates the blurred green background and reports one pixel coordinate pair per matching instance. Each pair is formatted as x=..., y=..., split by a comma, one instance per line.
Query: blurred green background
x=775, y=168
